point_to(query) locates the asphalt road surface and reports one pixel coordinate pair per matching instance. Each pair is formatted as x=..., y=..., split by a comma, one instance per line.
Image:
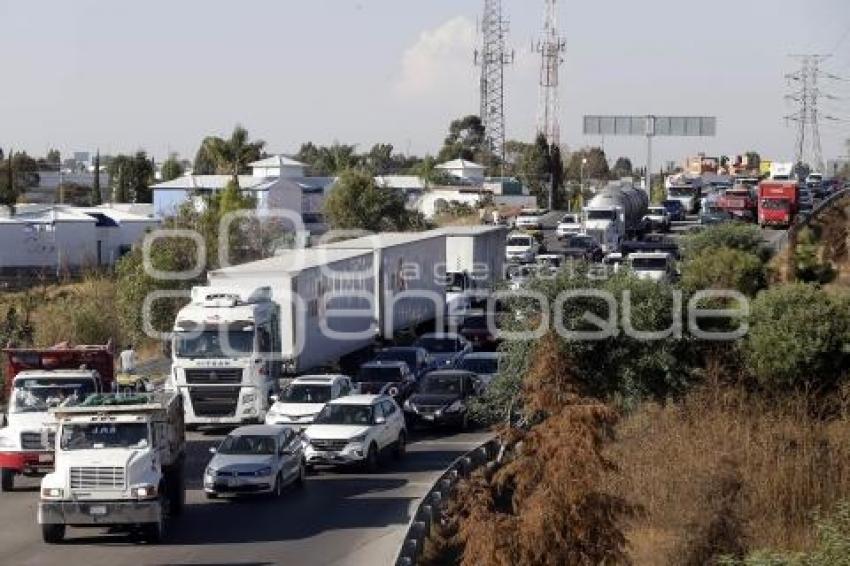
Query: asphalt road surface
x=339, y=518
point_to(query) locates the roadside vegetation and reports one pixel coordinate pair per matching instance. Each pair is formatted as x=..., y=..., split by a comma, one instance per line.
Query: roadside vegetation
x=691, y=452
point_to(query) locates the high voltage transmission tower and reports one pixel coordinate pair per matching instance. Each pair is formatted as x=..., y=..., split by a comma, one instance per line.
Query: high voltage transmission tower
x=551, y=48
x=808, y=117
x=493, y=58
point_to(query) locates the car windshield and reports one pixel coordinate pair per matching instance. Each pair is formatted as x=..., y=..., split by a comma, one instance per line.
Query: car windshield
x=214, y=344
x=248, y=445
x=377, y=374
x=439, y=345
x=601, y=215
x=485, y=366
x=304, y=393
x=569, y=219
x=448, y=384
x=407, y=356
x=519, y=241
x=580, y=242
x=97, y=436
x=36, y=395
x=775, y=204
x=345, y=415
x=649, y=263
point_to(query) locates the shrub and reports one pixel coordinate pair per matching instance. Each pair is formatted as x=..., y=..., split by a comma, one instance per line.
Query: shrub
x=733, y=235
x=724, y=268
x=797, y=338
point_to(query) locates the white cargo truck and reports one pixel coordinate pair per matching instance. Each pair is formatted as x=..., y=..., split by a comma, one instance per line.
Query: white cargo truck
x=409, y=269
x=119, y=464
x=256, y=322
x=475, y=263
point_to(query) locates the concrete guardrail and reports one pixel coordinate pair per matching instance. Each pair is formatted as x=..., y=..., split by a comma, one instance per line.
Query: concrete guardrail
x=429, y=509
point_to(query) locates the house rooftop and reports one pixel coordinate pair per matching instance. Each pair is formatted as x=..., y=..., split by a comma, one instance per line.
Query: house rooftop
x=277, y=161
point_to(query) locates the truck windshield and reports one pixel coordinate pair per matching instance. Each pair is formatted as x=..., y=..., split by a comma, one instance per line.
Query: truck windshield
x=601, y=215
x=248, y=445
x=35, y=395
x=775, y=204
x=214, y=344
x=303, y=393
x=345, y=415
x=649, y=264
x=96, y=436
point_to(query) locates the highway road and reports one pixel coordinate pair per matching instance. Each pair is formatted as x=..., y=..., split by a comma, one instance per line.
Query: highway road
x=342, y=518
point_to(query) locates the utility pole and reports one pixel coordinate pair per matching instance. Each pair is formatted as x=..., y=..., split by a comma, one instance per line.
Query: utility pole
x=807, y=116
x=493, y=58
x=551, y=48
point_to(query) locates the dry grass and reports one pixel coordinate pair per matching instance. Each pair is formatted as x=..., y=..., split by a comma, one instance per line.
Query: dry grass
x=671, y=458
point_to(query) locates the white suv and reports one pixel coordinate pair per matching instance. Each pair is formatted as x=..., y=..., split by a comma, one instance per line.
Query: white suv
x=356, y=430
x=298, y=405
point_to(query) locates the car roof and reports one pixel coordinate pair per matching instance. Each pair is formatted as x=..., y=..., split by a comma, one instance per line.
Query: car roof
x=257, y=430
x=386, y=364
x=329, y=378
x=358, y=400
x=401, y=349
x=483, y=356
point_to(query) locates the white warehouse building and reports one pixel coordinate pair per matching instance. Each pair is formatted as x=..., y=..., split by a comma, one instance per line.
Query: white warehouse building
x=66, y=238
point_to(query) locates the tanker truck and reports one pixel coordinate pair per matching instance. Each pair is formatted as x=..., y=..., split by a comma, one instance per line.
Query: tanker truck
x=615, y=214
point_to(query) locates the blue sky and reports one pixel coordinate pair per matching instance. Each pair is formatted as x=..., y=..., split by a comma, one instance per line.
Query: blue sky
x=162, y=75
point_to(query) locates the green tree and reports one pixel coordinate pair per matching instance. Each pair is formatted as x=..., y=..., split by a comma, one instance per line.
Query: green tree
x=724, y=268
x=797, y=338
x=96, y=196
x=233, y=155
x=8, y=190
x=131, y=176
x=379, y=160
x=204, y=163
x=622, y=168
x=336, y=158
x=465, y=140
x=808, y=266
x=172, y=168
x=357, y=202
x=531, y=166
x=595, y=168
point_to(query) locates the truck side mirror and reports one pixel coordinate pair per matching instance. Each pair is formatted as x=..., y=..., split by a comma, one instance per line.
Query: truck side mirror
x=213, y=449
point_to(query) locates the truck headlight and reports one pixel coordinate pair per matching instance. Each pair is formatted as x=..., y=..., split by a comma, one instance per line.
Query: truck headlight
x=210, y=472
x=143, y=491
x=454, y=407
x=249, y=398
x=52, y=493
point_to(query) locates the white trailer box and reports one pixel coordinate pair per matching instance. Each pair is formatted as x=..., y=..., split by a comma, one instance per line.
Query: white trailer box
x=326, y=300
x=478, y=251
x=410, y=269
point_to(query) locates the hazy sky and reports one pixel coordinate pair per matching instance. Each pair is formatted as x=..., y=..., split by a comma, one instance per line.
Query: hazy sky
x=160, y=75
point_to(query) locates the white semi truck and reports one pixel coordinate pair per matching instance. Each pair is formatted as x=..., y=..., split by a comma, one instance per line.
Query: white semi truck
x=119, y=464
x=259, y=321
x=475, y=263
x=615, y=214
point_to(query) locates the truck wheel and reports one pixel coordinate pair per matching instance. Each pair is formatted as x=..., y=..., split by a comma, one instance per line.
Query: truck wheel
x=7, y=479
x=53, y=534
x=464, y=422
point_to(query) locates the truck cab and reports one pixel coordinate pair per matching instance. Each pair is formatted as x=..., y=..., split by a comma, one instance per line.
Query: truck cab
x=606, y=226
x=777, y=203
x=223, y=356
x=41, y=380
x=119, y=463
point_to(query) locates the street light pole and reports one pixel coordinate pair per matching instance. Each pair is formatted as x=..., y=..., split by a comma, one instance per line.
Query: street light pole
x=581, y=183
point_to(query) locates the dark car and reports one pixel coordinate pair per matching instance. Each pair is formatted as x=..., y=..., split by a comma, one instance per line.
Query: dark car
x=476, y=330
x=676, y=210
x=446, y=348
x=385, y=378
x=417, y=359
x=441, y=399
x=713, y=215
x=581, y=246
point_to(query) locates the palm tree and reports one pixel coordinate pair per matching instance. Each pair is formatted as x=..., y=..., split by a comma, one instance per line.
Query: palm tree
x=233, y=155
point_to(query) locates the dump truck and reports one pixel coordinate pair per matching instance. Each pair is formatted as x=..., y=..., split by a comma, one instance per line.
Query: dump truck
x=119, y=465
x=38, y=380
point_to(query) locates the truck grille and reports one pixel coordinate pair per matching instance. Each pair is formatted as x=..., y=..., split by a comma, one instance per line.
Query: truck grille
x=214, y=376
x=329, y=445
x=214, y=401
x=97, y=478
x=32, y=441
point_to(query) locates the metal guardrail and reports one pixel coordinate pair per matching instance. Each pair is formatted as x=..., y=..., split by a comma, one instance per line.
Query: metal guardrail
x=429, y=509
x=802, y=222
